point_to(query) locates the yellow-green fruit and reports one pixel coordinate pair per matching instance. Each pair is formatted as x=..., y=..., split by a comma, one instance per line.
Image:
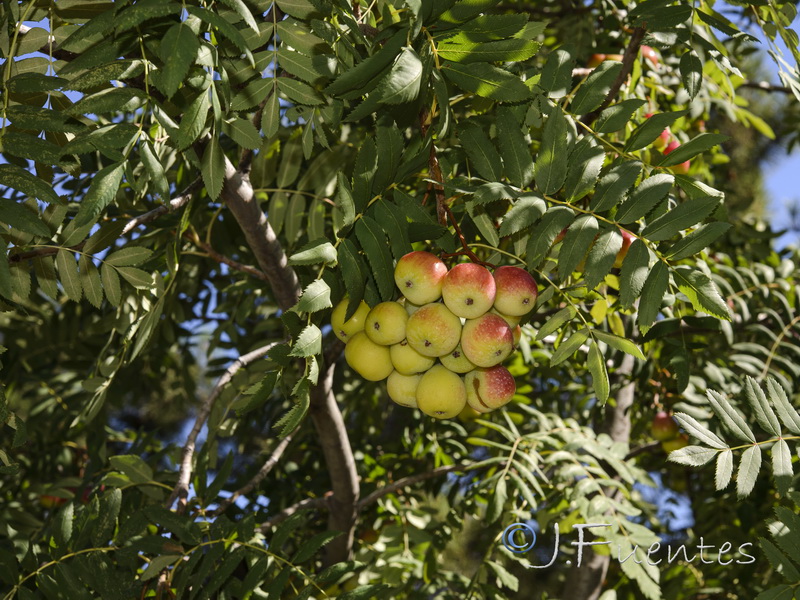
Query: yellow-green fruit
x=408, y=361
x=441, y=393
x=370, y=360
x=512, y=321
x=403, y=388
x=468, y=415
x=433, y=330
x=457, y=362
x=386, y=323
x=344, y=330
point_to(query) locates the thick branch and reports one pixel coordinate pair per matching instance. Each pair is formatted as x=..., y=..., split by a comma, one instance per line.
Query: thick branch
x=258, y=477
x=181, y=490
x=341, y=464
x=627, y=64
x=238, y=195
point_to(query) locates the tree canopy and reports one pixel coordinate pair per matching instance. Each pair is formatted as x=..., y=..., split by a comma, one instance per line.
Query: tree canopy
x=189, y=188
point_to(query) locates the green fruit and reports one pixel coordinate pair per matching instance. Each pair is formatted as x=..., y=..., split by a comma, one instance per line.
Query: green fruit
x=344, y=330
x=403, y=388
x=441, y=393
x=370, y=360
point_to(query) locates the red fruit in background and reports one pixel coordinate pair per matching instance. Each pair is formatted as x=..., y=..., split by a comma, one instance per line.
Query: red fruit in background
x=48, y=501
x=676, y=444
x=561, y=235
x=662, y=140
x=663, y=427
x=650, y=54
x=595, y=60
x=681, y=168
x=627, y=240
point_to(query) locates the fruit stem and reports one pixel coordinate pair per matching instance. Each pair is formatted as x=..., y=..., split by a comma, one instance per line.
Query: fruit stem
x=466, y=251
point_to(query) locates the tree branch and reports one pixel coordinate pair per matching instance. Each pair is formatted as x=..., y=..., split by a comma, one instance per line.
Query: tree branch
x=627, y=64
x=181, y=490
x=287, y=512
x=221, y=258
x=766, y=86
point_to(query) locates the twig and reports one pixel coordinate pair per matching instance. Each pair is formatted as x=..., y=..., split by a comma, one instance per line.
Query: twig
x=221, y=258
x=270, y=463
x=181, y=490
x=287, y=512
x=466, y=252
x=435, y=171
x=627, y=64
x=171, y=206
x=643, y=449
x=766, y=86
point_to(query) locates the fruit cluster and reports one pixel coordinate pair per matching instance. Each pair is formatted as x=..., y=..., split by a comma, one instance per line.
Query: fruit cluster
x=665, y=430
x=441, y=345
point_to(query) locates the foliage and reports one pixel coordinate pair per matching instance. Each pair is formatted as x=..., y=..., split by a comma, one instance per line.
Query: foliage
x=188, y=188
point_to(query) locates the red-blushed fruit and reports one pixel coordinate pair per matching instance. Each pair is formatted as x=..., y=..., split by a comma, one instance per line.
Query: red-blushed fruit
x=344, y=330
x=512, y=321
x=681, y=168
x=664, y=137
x=370, y=360
x=663, y=427
x=627, y=240
x=433, y=330
x=650, y=54
x=516, y=291
x=487, y=341
x=408, y=361
x=675, y=444
x=403, y=388
x=48, y=501
x=441, y=393
x=561, y=235
x=595, y=60
x=488, y=389
x=457, y=362
x=419, y=275
x=386, y=323
x=516, y=335
x=468, y=290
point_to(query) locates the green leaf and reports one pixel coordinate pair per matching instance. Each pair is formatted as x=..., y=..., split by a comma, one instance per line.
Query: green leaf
x=497, y=501
x=461, y=49
x=102, y=191
x=702, y=433
x=129, y=256
x=133, y=466
x=568, y=347
x=315, y=252
x=111, y=284
x=256, y=395
x=655, y=286
x=367, y=70
x=576, y=244
x=62, y=531
x=297, y=35
x=685, y=215
x=42, y=119
x=613, y=186
x=373, y=241
x=90, y=281
x=68, y=273
x=556, y=321
x=730, y=417
x=289, y=422
x=695, y=146
x=748, y=471
x=764, y=414
x=701, y=291
x=551, y=160
x=516, y=152
x=27, y=146
x=693, y=456
x=212, y=168
x=556, y=77
x=484, y=223
x=782, y=466
x=20, y=282
x=647, y=132
x=316, y=296
x=781, y=592
x=544, y=233
x=481, y=152
x=620, y=343
x=491, y=192
x=313, y=545
x=155, y=170
x=353, y=274
x=45, y=270
x=139, y=279
x=303, y=9
x=299, y=92
x=647, y=194
x=28, y=83
x=402, y=83
x=178, y=50
x=252, y=95
x=525, y=212
x=311, y=69
x=5, y=278
x=780, y=562
x=193, y=121
x=585, y=163
x=23, y=218
x=19, y=179
x=602, y=256
x=699, y=239
x=487, y=81
x=597, y=368
x=691, y=73
x=724, y=469
x=103, y=529
x=594, y=90
x=225, y=28
x=395, y=224
x=344, y=212
x=241, y=9
x=308, y=343
x=787, y=413
x=616, y=116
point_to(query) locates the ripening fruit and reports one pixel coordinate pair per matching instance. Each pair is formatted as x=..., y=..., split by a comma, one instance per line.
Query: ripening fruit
x=457, y=362
x=386, y=323
x=650, y=54
x=627, y=240
x=512, y=321
x=488, y=389
x=663, y=427
x=345, y=330
x=419, y=276
x=516, y=291
x=468, y=290
x=433, y=330
x=681, y=168
x=370, y=360
x=408, y=361
x=441, y=393
x=487, y=340
x=675, y=444
x=403, y=388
